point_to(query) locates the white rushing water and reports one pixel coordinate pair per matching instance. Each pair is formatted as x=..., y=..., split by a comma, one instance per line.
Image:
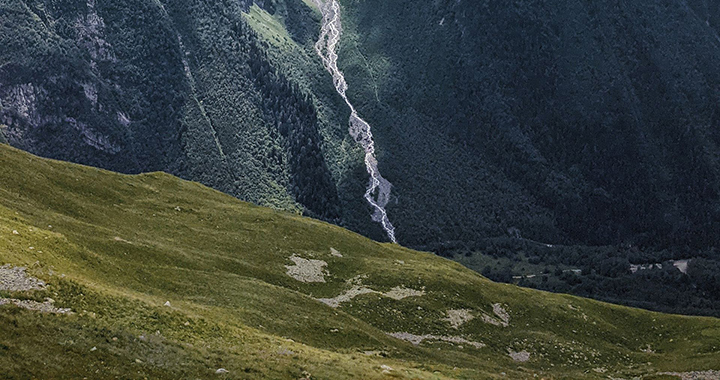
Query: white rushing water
x=326, y=48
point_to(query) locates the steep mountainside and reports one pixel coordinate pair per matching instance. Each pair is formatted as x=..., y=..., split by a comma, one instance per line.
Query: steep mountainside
x=114, y=276
x=515, y=139
x=521, y=131
x=570, y=121
x=489, y=116
x=182, y=87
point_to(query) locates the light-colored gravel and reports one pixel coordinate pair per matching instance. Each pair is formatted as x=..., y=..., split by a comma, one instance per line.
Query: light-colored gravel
x=502, y=314
x=400, y=292
x=306, y=270
x=334, y=252
x=358, y=289
x=355, y=291
x=521, y=356
x=15, y=279
x=695, y=375
x=458, y=317
x=488, y=319
x=503, y=317
x=417, y=339
x=43, y=307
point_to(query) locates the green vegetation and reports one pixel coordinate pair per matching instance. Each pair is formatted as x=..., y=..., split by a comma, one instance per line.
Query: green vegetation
x=492, y=119
x=604, y=273
x=494, y=115
x=462, y=191
x=183, y=87
x=115, y=248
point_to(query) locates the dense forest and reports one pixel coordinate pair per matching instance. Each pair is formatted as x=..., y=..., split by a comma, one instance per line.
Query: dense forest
x=592, y=127
x=669, y=280
x=139, y=86
x=496, y=115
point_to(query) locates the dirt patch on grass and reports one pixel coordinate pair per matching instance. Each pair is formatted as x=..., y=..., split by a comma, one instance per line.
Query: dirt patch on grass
x=417, y=339
x=306, y=270
x=458, y=317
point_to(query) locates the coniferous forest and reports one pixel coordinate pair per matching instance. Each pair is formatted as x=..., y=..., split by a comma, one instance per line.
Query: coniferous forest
x=552, y=144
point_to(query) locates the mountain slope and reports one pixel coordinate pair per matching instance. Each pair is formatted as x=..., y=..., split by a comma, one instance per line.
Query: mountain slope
x=167, y=278
x=511, y=135
x=602, y=130
x=489, y=117
x=552, y=154
x=141, y=86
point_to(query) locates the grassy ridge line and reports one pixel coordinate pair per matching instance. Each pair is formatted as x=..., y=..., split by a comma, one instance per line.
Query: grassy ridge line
x=127, y=244
x=108, y=305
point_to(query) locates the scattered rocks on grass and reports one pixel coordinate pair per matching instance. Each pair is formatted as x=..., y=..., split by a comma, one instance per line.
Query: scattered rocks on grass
x=521, y=356
x=695, y=375
x=458, y=317
x=400, y=292
x=306, y=270
x=417, y=339
x=15, y=279
x=357, y=289
x=374, y=353
x=43, y=307
x=501, y=313
x=285, y=352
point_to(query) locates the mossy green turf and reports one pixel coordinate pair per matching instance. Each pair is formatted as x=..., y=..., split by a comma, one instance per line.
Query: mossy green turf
x=114, y=248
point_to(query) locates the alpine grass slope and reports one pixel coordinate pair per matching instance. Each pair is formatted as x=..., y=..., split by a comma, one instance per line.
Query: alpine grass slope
x=165, y=278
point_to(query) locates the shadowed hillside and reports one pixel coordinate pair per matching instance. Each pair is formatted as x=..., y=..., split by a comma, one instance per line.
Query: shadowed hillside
x=569, y=121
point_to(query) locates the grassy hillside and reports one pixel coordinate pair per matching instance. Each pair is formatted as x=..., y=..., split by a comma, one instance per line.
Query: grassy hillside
x=446, y=86
x=496, y=122
x=170, y=279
